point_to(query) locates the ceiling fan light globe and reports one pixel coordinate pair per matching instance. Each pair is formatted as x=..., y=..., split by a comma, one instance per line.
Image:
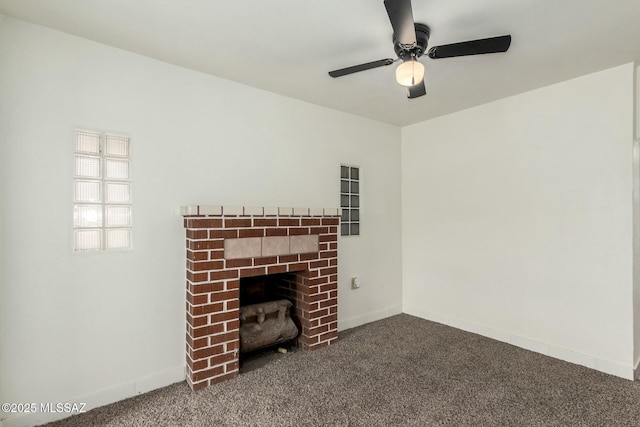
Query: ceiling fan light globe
x=409, y=73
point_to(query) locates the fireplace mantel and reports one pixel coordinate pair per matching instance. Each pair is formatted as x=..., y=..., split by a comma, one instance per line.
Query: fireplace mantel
x=227, y=243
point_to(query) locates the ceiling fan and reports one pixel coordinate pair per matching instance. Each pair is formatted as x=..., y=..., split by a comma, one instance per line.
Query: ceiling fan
x=410, y=43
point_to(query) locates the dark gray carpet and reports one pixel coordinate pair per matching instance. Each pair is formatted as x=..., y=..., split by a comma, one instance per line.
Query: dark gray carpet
x=400, y=371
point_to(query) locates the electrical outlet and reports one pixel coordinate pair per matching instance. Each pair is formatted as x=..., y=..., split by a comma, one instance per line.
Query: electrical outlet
x=355, y=283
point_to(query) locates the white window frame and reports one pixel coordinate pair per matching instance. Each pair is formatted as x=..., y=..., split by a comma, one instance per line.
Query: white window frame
x=107, y=224
x=350, y=224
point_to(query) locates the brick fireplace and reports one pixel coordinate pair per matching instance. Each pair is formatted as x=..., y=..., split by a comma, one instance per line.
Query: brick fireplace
x=225, y=244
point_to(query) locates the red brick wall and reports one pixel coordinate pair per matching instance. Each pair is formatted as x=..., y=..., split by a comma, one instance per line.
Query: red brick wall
x=213, y=284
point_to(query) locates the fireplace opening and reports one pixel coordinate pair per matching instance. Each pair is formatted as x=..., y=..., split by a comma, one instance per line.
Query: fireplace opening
x=269, y=325
x=259, y=289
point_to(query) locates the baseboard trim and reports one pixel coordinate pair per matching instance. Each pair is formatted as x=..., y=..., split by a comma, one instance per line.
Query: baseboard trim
x=602, y=365
x=100, y=398
x=352, y=322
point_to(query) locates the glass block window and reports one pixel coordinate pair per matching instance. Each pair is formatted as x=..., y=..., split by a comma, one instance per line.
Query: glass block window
x=350, y=200
x=102, y=213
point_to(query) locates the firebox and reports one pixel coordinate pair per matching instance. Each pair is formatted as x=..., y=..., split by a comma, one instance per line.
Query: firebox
x=268, y=311
x=226, y=244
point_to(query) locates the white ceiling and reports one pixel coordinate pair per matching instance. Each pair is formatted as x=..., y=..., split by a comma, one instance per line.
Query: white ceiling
x=288, y=46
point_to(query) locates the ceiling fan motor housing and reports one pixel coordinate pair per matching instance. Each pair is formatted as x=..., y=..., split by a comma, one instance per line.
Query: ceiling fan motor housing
x=422, y=39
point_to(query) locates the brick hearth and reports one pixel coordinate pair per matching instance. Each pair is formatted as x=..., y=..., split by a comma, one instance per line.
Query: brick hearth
x=225, y=244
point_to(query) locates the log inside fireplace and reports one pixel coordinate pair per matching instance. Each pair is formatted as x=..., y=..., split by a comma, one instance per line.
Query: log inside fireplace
x=267, y=311
x=266, y=324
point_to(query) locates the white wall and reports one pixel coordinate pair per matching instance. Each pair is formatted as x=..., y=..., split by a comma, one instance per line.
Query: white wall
x=636, y=255
x=99, y=327
x=3, y=180
x=636, y=223
x=517, y=220
x=637, y=101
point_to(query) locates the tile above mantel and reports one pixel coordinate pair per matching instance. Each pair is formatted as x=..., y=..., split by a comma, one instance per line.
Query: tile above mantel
x=217, y=210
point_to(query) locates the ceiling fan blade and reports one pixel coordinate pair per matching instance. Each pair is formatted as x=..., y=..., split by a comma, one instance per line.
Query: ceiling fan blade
x=401, y=17
x=472, y=47
x=362, y=67
x=416, y=90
